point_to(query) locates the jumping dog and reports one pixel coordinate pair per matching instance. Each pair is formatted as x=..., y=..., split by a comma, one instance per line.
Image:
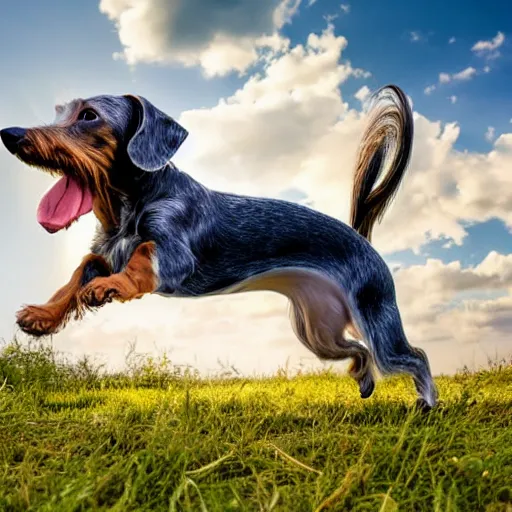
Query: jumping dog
x=160, y=231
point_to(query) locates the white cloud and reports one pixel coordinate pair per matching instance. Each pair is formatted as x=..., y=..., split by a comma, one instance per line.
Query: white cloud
x=362, y=93
x=345, y=8
x=489, y=49
x=464, y=75
x=441, y=282
x=453, y=99
x=415, y=36
x=482, y=48
x=490, y=134
x=329, y=18
x=221, y=40
x=444, y=78
x=445, y=302
x=292, y=107
x=430, y=89
x=297, y=115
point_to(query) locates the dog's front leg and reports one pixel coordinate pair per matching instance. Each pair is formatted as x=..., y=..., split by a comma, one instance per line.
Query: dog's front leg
x=137, y=279
x=46, y=319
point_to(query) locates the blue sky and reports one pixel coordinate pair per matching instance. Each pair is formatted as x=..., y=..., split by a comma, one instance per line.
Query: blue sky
x=65, y=49
x=70, y=44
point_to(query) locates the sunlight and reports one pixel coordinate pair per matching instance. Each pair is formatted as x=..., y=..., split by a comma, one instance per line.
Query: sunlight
x=77, y=241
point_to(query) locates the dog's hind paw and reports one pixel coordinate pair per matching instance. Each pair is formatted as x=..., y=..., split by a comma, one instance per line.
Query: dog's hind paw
x=423, y=406
x=367, y=386
x=38, y=320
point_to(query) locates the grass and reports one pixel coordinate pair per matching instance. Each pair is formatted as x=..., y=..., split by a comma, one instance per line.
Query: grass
x=158, y=437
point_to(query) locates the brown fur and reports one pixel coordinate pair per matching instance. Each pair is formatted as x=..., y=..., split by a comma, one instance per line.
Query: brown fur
x=88, y=158
x=49, y=318
x=137, y=279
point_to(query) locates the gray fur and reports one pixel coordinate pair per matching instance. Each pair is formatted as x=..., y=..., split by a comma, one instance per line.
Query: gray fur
x=157, y=138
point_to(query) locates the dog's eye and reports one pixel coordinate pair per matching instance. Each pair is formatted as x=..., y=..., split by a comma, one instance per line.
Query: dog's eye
x=87, y=115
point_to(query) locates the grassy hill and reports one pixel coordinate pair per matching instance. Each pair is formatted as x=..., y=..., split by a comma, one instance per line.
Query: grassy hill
x=159, y=438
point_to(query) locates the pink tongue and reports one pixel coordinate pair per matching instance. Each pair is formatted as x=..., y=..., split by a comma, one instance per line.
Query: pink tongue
x=64, y=203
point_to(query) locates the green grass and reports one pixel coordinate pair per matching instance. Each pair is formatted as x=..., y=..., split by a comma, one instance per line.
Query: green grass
x=159, y=438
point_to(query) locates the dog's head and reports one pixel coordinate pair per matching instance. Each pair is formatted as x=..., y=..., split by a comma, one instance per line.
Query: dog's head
x=98, y=147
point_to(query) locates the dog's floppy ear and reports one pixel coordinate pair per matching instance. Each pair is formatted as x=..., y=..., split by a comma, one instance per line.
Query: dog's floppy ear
x=157, y=137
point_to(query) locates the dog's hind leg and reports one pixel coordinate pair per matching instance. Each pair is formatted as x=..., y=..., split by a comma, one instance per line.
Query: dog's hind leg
x=46, y=319
x=320, y=315
x=378, y=318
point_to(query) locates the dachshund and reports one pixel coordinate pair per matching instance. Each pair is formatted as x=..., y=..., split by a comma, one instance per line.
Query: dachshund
x=162, y=232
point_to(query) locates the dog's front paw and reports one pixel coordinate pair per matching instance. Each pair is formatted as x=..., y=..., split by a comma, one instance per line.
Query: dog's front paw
x=98, y=292
x=38, y=320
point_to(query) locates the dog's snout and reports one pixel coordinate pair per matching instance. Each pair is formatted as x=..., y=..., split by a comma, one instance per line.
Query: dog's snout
x=11, y=137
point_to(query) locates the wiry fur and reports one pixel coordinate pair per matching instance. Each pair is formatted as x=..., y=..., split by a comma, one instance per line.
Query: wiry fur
x=390, y=127
x=206, y=242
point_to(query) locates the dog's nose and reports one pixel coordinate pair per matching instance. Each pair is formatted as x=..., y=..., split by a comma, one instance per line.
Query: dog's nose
x=11, y=137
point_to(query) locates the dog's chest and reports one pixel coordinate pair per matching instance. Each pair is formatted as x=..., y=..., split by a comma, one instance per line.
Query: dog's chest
x=120, y=251
x=118, y=247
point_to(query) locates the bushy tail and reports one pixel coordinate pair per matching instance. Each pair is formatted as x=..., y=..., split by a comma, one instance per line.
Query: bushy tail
x=384, y=151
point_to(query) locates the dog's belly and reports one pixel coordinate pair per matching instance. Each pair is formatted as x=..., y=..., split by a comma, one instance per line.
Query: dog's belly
x=206, y=281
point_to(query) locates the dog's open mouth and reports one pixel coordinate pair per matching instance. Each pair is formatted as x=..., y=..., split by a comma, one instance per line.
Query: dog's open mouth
x=63, y=204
